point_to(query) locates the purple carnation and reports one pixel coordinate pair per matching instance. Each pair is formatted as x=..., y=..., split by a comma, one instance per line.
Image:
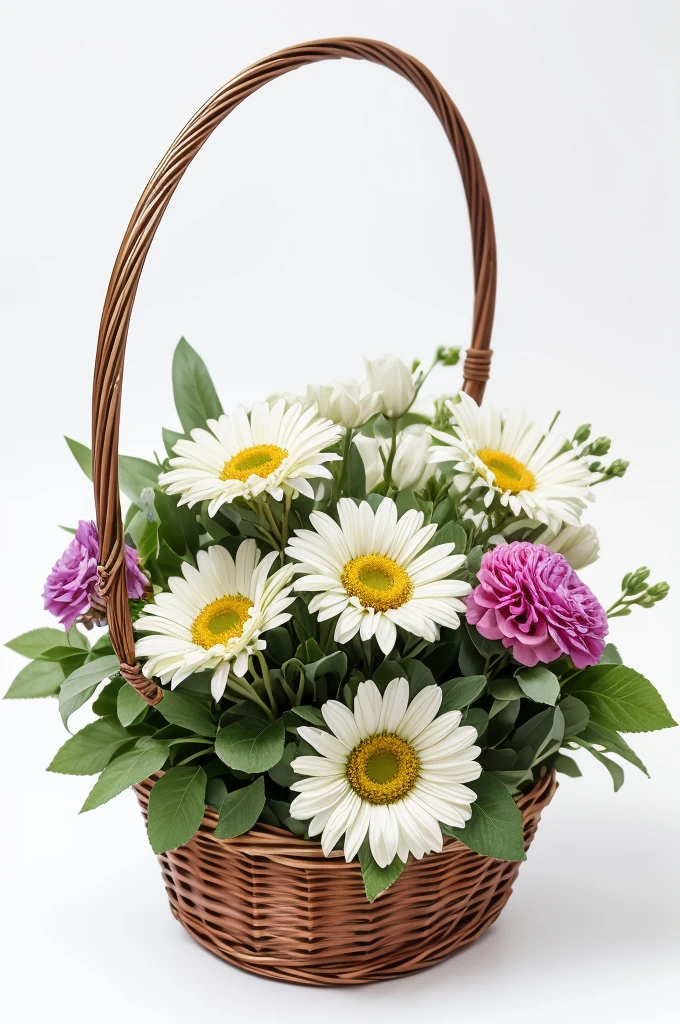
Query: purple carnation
x=72, y=588
x=530, y=598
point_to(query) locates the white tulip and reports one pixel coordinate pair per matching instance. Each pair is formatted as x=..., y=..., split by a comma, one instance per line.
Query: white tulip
x=410, y=467
x=579, y=544
x=348, y=402
x=374, y=467
x=394, y=379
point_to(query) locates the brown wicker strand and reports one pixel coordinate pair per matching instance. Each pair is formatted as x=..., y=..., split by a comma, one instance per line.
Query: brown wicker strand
x=129, y=263
x=272, y=904
x=477, y=364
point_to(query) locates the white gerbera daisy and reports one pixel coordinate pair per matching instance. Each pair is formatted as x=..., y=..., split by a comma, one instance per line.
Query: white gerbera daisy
x=213, y=617
x=272, y=449
x=514, y=458
x=390, y=769
x=370, y=572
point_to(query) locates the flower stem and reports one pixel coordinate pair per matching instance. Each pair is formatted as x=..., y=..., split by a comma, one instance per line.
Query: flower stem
x=267, y=680
x=284, y=525
x=346, y=448
x=387, y=478
x=243, y=688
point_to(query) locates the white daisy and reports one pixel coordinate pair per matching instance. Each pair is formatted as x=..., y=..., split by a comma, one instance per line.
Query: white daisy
x=389, y=769
x=213, y=617
x=273, y=449
x=514, y=458
x=373, y=573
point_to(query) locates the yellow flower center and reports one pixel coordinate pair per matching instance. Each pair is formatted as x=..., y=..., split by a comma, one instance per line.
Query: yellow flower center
x=382, y=769
x=377, y=581
x=221, y=620
x=511, y=475
x=261, y=460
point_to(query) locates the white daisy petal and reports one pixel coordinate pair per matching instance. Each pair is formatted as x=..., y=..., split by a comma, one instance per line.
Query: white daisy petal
x=395, y=774
x=376, y=563
x=271, y=452
x=213, y=616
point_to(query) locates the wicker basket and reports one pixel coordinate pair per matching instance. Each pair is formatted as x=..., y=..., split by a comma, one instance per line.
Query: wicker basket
x=274, y=905
x=269, y=902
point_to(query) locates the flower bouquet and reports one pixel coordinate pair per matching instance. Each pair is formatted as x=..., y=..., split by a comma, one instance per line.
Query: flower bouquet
x=348, y=646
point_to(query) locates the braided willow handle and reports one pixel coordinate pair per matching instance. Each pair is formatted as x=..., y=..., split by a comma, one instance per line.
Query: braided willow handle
x=122, y=289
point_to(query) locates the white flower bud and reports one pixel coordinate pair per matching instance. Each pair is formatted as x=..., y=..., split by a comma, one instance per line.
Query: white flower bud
x=410, y=467
x=348, y=403
x=579, y=544
x=394, y=379
x=374, y=467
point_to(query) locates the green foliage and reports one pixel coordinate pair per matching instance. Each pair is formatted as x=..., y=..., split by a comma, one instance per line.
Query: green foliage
x=37, y=679
x=539, y=684
x=195, y=397
x=251, y=745
x=89, y=751
x=460, y=693
x=495, y=828
x=127, y=770
x=621, y=699
x=130, y=707
x=240, y=810
x=81, y=684
x=188, y=711
x=176, y=806
x=377, y=879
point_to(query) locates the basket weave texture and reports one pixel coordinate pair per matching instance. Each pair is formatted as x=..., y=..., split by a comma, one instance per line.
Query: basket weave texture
x=274, y=905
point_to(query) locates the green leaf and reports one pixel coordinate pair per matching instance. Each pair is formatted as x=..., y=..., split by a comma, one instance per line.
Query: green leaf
x=505, y=689
x=539, y=684
x=406, y=500
x=535, y=732
x=311, y=715
x=418, y=675
x=37, y=679
x=170, y=439
x=279, y=645
x=614, y=769
x=495, y=828
x=459, y=693
x=282, y=773
x=240, y=810
x=130, y=707
x=575, y=713
x=450, y=533
x=81, y=684
x=189, y=712
x=567, y=766
x=176, y=807
x=620, y=698
x=133, y=474
x=612, y=742
x=91, y=749
x=195, y=397
x=377, y=879
x=610, y=656
x=37, y=641
x=251, y=745
x=107, y=700
x=127, y=770
x=82, y=455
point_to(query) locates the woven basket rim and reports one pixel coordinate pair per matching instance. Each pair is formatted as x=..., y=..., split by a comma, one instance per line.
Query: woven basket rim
x=267, y=835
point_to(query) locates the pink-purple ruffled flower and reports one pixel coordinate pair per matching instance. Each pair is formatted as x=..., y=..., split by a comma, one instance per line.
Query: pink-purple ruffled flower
x=530, y=598
x=72, y=588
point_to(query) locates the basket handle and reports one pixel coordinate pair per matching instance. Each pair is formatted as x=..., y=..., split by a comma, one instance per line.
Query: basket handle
x=127, y=270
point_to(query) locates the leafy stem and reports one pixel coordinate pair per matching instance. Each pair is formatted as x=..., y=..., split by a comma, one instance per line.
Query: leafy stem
x=387, y=478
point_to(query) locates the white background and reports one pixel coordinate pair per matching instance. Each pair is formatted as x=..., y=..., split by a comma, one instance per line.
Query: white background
x=326, y=220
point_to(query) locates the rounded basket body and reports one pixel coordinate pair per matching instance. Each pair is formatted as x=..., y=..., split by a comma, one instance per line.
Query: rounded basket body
x=274, y=905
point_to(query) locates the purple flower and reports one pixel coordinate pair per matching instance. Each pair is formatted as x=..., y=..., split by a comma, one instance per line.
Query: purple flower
x=72, y=588
x=530, y=598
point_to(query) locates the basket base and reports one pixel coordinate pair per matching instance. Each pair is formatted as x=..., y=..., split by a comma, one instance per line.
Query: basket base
x=272, y=905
